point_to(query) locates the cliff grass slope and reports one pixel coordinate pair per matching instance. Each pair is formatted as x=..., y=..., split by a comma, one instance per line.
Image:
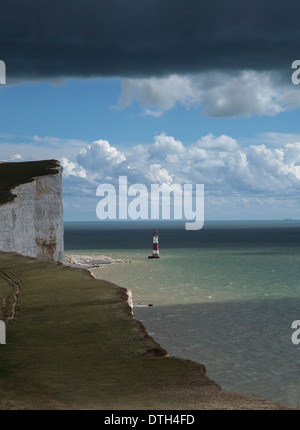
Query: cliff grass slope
x=72, y=344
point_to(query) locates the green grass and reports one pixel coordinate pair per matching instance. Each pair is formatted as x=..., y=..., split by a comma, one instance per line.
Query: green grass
x=74, y=345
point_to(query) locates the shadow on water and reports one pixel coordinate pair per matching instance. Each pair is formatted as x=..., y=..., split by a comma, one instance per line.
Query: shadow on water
x=245, y=346
x=261, y=253
x=78, y=236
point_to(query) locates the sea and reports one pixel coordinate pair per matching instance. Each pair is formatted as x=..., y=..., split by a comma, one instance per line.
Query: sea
x=225, y=296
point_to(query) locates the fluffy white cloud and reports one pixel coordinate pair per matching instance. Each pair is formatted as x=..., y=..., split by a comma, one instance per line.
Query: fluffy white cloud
x=228, y=169
x=252, y=177
x=166, y=147
x=292, y=154
x=72, y=169
x=220, y=143
x=242, y=93
x=156, y=95
x=100, y=157
x=157, y=174
x=219, y=162
x=258, y=169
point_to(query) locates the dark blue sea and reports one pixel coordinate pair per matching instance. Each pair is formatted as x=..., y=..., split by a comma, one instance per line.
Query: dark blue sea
x=225, y=296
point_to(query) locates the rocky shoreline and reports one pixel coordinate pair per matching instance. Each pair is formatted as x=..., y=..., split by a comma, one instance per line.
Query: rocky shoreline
x=90, y=261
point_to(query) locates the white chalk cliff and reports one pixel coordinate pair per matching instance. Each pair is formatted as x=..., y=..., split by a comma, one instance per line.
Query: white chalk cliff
x=31, y=218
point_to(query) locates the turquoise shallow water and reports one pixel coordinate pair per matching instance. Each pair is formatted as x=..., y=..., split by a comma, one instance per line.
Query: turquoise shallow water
x=225, y=297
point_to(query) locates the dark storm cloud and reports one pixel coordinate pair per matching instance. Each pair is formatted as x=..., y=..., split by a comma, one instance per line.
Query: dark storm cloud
x=146, y=37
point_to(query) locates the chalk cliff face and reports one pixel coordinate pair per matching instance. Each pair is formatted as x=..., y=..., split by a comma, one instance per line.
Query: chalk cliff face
x=31, y=213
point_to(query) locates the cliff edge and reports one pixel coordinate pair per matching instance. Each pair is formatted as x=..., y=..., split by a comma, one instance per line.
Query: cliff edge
x=71, y=343
x=31, y=210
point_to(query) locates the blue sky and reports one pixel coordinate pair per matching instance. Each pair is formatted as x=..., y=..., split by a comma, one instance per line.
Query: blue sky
x=174, y=122
x=165, y=92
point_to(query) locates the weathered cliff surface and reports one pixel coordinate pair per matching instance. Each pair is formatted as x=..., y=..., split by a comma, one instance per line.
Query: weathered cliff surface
x=31, y=211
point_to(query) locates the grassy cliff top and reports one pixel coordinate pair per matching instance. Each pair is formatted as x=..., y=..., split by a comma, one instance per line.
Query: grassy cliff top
x=14, y=174
x=73, y=344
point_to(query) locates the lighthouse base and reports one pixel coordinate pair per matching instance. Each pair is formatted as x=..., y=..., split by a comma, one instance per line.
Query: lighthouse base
x=153, y=256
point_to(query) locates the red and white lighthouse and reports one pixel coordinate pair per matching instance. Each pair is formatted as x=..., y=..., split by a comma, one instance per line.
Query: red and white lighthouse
x=155, y=250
